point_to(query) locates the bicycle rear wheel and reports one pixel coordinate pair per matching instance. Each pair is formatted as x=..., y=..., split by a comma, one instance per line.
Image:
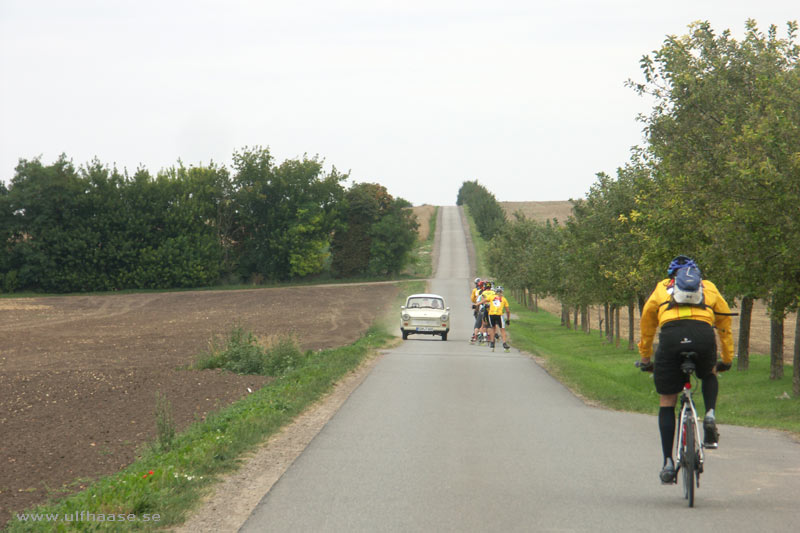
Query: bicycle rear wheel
x=689, y=459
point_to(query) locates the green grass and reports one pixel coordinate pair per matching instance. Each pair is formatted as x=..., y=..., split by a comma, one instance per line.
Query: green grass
x=168, y=482
x=480, y=246
x=605, y=374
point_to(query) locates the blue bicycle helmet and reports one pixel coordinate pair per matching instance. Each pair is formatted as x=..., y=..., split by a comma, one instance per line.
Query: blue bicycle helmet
x=680, y=262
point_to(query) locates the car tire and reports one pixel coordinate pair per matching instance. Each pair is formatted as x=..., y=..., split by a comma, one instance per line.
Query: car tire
x=444, y=336
x=405, y=335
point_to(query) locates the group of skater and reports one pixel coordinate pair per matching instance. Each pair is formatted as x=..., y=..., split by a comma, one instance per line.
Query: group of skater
x=492, y=314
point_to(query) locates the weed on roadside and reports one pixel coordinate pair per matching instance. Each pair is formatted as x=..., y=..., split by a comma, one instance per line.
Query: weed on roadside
x=165, y=422
x=241, y=352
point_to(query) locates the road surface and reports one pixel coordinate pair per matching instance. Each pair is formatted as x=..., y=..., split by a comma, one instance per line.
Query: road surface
x=446, y=436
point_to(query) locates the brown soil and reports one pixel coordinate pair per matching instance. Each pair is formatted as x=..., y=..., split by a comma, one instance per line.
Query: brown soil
x=79, y=374
x=423, y=214
x=539, y=211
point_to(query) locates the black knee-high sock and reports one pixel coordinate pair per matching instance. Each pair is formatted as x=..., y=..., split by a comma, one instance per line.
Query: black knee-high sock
x=666, y=423
x=710, y=391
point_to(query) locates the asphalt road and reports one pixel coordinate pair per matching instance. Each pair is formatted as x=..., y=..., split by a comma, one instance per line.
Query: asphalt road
x=445, y=436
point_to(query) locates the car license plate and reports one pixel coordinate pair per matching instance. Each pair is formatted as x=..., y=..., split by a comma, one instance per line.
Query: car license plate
x=424, y=329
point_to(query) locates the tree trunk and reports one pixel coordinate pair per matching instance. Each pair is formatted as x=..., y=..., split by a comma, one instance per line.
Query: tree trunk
x=535, y=303
x=641, y=300
x=600, y=321
x=796, y=358
x=565, y=316
x=631, y=344
x=744, y=334
x=617, y=320
x=776, y=348
x=575, y=313
x=609, y=323
x=585, y=319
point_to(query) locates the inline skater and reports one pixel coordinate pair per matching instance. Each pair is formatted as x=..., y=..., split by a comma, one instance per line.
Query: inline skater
x=483, y=311
x=474, y=297
x=497, y=306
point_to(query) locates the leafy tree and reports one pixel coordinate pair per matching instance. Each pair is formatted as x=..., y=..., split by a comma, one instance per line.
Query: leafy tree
x=723, y=134
x=487, y=213
x=392, y=239
x=377, y=232
x=284, y=215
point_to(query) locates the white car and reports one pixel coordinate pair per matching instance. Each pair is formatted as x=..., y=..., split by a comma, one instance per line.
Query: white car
x=425, y=314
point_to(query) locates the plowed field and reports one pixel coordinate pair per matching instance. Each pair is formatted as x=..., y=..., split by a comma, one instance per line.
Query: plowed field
x=79, y=374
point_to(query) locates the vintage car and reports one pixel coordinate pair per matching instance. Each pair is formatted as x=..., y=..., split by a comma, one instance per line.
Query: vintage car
x=425, y=314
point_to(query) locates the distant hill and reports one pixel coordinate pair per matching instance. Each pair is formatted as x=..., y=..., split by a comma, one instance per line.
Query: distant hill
x=540, y=211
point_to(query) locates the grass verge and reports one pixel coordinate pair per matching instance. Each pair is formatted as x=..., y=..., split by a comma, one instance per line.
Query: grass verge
x=605, y=374
x=480, y=246
x=159, y=488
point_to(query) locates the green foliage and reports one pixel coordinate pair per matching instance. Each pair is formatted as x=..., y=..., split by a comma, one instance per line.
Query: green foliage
x=377, y=234
x=284, y=215
x=718, y=180
x=486, y=211
x=71, y=230
x=241, y=353
x=165, y=422
x=93, y=228
x=723, y=136
x=283, y=356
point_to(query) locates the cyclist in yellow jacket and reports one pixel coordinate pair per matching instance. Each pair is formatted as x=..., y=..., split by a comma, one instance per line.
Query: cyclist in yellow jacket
x=684, y=327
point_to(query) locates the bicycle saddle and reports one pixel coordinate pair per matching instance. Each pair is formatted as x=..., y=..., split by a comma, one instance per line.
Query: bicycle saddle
x=688, y=365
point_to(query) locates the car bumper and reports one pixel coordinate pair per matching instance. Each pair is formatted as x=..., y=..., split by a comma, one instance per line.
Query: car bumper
x=424, y=330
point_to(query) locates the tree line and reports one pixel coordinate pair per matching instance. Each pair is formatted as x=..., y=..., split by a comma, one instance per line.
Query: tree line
x=718, y=179
x=94, y=228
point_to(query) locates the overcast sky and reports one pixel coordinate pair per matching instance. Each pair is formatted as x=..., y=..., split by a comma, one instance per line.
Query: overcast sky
x=527, y=97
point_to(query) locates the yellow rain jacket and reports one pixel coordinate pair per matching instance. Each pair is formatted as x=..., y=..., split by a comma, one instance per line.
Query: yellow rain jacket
x=655, y=313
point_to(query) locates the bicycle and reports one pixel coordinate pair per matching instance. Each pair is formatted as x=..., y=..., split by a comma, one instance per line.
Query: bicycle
x=690, y=456
x=689, y=452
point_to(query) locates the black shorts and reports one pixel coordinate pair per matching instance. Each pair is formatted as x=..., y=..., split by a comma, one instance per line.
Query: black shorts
x=496, y=321
x=683, y=336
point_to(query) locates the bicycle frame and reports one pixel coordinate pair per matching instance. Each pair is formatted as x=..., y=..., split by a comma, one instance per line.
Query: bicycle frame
x=688, y=419
x=688, y=410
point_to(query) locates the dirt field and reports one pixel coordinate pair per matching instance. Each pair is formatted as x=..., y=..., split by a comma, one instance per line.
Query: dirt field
x=79, y=374
x=423, y=213
x=540, y=211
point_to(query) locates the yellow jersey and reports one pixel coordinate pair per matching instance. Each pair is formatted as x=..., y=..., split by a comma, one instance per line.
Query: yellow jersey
x=498, y=304
x=656, y=312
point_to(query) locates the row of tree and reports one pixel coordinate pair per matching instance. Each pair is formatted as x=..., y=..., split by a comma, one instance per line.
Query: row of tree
x=487, y=213
x=94, y=228
x=719, y=180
